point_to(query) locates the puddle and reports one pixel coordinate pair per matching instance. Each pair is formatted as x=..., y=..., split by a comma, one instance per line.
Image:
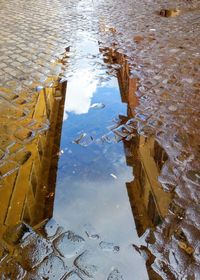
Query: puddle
x=91, y=172
x=106, y=167
x=175, y=12
x=170, y=13
x=95, y=161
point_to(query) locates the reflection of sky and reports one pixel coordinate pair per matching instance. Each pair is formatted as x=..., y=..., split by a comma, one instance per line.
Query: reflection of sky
x=104, y=203
x=79, y=92
x=86, y=192
x=82, y=85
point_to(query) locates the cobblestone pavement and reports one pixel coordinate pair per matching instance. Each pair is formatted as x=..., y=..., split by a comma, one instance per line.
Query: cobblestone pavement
x=161, y=41
x=55, y=253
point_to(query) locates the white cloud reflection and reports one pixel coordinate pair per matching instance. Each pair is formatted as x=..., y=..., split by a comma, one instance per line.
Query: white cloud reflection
x=80, y=91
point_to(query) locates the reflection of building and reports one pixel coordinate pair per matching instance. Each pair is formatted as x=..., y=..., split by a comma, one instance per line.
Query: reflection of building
x=149, y=202
x=29, y=174
x=127, y=85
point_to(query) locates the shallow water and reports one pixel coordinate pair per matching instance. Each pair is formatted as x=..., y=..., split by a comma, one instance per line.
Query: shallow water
x=91, y=175
x=91, y=178
x=92, y=172
x=158, y=45
x=95, y=178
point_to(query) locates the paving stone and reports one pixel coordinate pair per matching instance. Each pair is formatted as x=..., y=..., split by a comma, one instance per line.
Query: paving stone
x=32, y=276
x=164, y=50
x=32, y=251
x=15, y=234
x=3, y=252
x=69, y=244
x=23, y=134
x=72, y=276
x=11, y=270
x=51, y=228
x=86, y=263
x=52, y=268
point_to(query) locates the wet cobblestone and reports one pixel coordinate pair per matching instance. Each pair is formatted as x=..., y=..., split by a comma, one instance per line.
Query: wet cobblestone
x=163, y=53
x=37, y=257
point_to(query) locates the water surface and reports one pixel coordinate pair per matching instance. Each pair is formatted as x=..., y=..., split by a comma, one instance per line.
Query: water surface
x=92, y=174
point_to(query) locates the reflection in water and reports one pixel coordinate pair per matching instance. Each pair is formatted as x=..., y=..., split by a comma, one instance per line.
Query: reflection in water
x=27, y=191
x=81, y=88
x=148, y=200
x=91, y=179
x=93, y=170
x=101, y=158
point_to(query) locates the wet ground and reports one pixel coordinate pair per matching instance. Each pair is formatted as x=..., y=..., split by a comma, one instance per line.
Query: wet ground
x=99, y=151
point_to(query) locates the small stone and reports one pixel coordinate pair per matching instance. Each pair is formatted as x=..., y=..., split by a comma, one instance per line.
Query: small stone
x=172, y=108
x=188, y=249
x=11, y=270
x=86, y=263
x=32, y=251
x=23, y=134
x=22, y=157
x=51, y=228
x=142, y=117
x=138, y=39
x=193, y=176
x=52, y=268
